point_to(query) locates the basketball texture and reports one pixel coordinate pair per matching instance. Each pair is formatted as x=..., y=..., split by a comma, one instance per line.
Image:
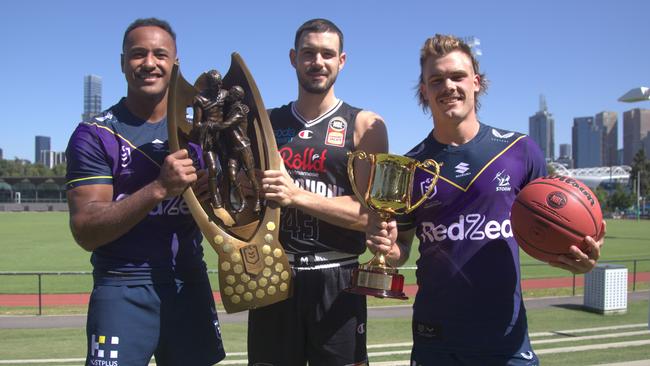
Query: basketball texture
x=552, y=213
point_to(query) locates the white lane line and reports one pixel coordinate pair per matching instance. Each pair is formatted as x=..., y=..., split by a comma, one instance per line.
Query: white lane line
x=590, y=347
x=587, y=330
x=597, y=336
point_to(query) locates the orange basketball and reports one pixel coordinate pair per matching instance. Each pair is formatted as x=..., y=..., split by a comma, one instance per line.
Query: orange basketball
x=552, y=213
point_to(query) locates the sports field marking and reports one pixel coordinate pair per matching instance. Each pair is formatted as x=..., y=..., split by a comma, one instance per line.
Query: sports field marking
x=587, y=330
x=597, y=336
x=590, y=347
x=239, y=358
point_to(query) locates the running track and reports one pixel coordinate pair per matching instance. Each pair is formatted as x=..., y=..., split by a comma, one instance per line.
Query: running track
x=9, y=300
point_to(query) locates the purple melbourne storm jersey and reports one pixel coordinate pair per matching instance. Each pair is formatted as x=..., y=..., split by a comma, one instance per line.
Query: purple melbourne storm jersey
x=469, y=296
x=119, y=149
x=315, y=155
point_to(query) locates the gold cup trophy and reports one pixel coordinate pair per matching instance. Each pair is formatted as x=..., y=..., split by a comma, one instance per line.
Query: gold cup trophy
x=388, y=193
x=231, y=134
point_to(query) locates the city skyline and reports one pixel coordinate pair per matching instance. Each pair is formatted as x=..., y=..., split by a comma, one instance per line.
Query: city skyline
x=521, y=55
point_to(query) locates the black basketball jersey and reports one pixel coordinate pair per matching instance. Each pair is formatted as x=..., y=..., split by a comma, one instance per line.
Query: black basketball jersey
x=315, y=155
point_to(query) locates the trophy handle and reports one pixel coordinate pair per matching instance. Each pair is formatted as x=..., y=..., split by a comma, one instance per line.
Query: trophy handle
x=365, y=198
x=435, y=174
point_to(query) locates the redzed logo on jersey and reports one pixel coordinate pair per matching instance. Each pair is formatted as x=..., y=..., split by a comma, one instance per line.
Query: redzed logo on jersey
x=306, y=161
x=336, y=132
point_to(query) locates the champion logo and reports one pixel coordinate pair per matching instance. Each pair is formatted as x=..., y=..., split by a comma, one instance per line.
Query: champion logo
x=361, y=328
x=305, y=134
x=498, y=135
x=462, y=168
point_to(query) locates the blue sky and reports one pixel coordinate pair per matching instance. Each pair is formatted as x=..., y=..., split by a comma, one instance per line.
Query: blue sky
x=581, y=54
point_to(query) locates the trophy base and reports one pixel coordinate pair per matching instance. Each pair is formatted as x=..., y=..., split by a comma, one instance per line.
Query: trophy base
x=378, y=282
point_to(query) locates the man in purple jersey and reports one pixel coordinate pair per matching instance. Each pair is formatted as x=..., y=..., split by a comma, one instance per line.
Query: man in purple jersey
x=469, y=308
x=151, y=294
x=322, y=222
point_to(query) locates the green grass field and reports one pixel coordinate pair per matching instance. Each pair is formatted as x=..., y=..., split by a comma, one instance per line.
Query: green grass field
x=552, y=330
x=35, y=242
x=41, y=241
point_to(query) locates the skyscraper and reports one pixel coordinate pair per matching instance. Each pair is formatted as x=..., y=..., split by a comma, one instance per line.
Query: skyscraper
x=587, y=141
x=636, y=126
x=608, y=122
x=541, y=128
x=92, y=96
x=41, y=143
x=566, y=157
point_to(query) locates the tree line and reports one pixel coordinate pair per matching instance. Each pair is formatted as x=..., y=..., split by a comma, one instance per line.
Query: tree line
x=23, y=168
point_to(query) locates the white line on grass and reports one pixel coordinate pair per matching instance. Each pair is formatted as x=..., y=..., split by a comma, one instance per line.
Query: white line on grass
x=597, y=336
x=587, y=330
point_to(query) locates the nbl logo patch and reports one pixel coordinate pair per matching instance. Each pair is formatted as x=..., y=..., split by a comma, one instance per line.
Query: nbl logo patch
x=336, y=129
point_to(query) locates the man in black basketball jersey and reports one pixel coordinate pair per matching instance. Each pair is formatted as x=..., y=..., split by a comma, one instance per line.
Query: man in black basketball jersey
x=322, y=222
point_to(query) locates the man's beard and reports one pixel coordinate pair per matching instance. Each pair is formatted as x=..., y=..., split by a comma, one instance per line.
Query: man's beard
x=316, y=88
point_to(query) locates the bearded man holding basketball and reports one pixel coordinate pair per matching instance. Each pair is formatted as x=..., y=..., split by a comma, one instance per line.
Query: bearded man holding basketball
x=469, y=308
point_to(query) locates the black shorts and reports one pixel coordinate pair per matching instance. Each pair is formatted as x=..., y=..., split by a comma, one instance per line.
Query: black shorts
x=175, y=322
x=320, y=324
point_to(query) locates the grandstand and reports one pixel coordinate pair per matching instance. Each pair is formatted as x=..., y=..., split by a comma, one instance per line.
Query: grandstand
x=32, y=194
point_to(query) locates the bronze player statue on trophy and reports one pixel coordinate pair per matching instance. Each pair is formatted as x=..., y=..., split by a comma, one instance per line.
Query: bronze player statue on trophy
x=207, y=120
x=225, y=139
x=239, y=145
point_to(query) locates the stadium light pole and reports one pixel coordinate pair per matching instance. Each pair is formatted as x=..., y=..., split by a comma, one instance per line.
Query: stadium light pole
x=634, y=95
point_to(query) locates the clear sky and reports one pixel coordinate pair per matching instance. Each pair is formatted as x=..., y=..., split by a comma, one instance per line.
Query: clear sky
x=581, y=54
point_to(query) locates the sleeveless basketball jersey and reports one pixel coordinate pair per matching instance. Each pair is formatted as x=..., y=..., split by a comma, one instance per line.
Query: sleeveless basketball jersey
x=315, y=155
x=469, y=296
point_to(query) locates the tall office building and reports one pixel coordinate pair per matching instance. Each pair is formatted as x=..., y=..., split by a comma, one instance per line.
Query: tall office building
x=565, y=151
x=41, y=143
x=608, y=122
x=636, y=126
x=541, y=128
x=1, y=157
x=587, y=141
x=92, y=96
x=566, y=156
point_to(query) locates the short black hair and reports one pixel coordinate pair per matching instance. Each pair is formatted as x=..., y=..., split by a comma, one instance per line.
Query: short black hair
x=149, y=22
x=318, y=25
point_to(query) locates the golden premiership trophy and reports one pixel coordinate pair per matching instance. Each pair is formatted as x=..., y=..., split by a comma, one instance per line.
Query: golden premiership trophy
x=231, y=135
x=388, y=193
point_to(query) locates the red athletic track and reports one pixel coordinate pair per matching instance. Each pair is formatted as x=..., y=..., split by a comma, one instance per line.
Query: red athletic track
x=9, y=300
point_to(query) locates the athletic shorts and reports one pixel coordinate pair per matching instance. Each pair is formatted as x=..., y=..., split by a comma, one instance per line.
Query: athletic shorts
x=176, y=323
x=421, y=355
x=320, y=324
